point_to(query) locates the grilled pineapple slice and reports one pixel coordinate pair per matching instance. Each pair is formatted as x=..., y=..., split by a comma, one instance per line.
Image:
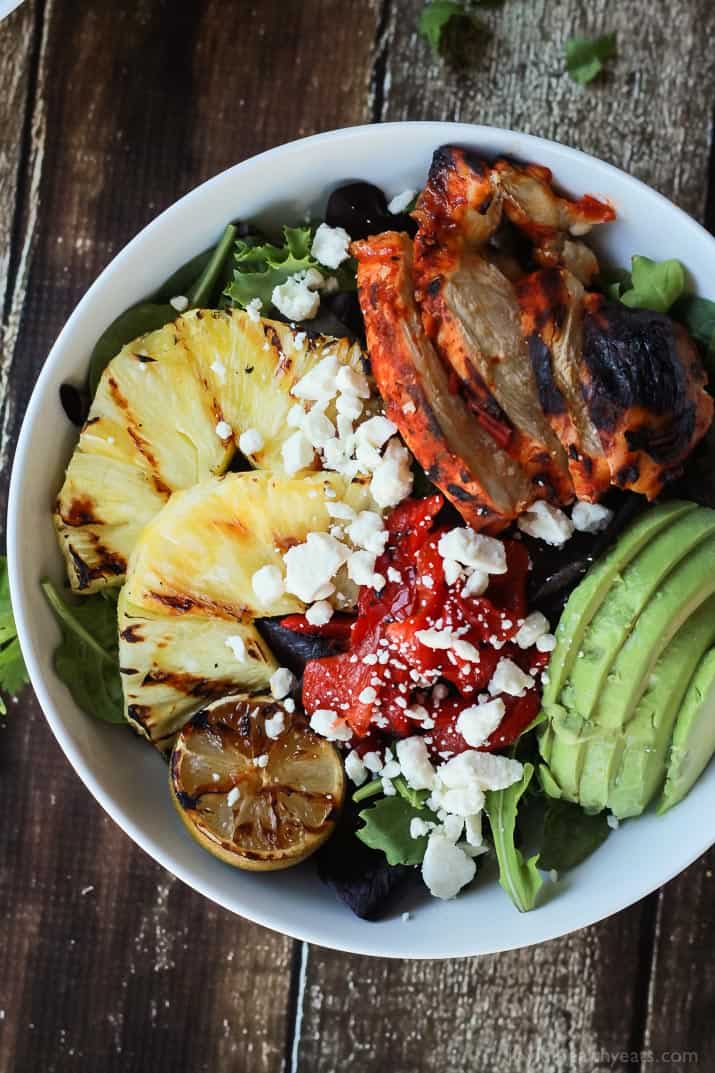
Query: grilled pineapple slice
x=186, y=612
x=158, y=420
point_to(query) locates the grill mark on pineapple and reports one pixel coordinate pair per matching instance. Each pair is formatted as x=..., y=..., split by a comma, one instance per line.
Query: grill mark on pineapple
x=131, y=634
x=188, y=684
x=184, y=604
x=108, y=564
x=80, y=512
x=144, y=449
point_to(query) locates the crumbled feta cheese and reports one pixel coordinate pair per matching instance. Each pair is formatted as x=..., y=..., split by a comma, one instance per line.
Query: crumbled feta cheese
x=310, y=567
x=224, y=430
x=394, y=575
x=405, y=917
x=387, y=788
x=351, y=382
x=509, y=678
x=179, y=302
x=330, y=245
x=329, y=725
x=419, y=828
x=297, y=453
x=391, y=770
x=299, y=340
x=320, y=613
x=232, y=796
x=275, y=725
x=474, y=549
x=446, y=868
x=400, y=202
x=368, y=531
x=295, y=300
x=473, y=829
x=237, y=646
x=355, y=768
x=466, y=651
x=590, y=517
x=376, y=431
x=488, y=771
x=373, y=762
x=219, y=369
x=250, y=442
x=452, y=826
x=289, y=704
x=476, y=584
x=268, y=584
x=361, y=567
x=392, y=479
x=348, y=406
x=318, y=428
x=313, y=278
x=479, y=722
x=253, y=309
x=613, y=822
x=368, y=695
x=452, y=571
x=261, y=761
x=546, y=643
x=408, y=408
x=532, y=628
x=341, y=510
x=415, y=763
x=281, y=683
x=319, y=384
x=295, y=416
x=439, y=640
x=546, y=523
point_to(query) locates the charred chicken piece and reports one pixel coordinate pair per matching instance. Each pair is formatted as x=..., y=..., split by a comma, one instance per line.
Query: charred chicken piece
x=644, y=387
x=487, y=487
x=551, y=302
x=553, y=223
x=471, y=313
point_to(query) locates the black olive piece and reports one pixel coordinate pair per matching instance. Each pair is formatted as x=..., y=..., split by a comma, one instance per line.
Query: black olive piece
x=75, y=403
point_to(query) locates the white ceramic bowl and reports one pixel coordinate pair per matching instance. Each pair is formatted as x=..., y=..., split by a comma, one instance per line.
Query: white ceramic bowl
x=123, y=773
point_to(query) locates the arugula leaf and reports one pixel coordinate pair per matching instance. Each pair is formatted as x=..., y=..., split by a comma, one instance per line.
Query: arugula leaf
x=434, y=19
x=519, y=877
x=698, y=316
x=87, y=658
x=585, y=56
x=656, y=285
x=570, y=835
x=13, y=673
x=387, y=828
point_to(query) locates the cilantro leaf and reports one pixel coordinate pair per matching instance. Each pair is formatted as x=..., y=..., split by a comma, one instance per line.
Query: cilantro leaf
x=13, y=673
x=87, y=658
x=434, y=19
x=585, y=56
x=655, y=285
x=570, y=835
x=519, y=877
x=698, y=316
x=387, y=828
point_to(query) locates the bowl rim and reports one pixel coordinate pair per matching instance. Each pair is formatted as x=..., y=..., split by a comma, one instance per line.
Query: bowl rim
x=444, y=131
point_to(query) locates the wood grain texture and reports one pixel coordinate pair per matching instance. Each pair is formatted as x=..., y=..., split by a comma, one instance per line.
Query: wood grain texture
x=106, y=962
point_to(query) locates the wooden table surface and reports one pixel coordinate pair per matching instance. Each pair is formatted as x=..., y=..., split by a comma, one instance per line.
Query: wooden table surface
x=109, y=111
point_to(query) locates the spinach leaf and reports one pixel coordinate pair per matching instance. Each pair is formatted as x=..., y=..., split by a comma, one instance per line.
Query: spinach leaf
x=519, y=877
x=570, y=835
x=655, y=285
x=87, y=658
x=13, y=673
x=387, y=828
x=585, y=56
x=698, y=316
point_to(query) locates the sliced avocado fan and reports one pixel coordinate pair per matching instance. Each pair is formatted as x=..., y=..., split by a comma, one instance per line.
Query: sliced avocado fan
x=693, y=743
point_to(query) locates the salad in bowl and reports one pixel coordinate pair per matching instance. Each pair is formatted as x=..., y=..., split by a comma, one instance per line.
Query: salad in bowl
x=384, y=528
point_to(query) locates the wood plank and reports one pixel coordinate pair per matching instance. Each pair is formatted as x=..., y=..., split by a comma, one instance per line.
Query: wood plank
x=554, y=1007
x=103, y=954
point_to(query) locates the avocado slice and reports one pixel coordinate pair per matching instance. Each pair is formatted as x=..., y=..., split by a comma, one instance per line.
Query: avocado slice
x=693, y=742
x=586, y=599
x=625, y=769
x=622, y=607
x=681, y=594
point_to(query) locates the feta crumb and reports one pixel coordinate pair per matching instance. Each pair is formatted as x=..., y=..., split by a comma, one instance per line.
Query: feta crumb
x=250, y=442
x=439, y=640
x=452, y=826
x=387, y=788
x=474, y=549
x=317, y=427
x=392, y=479
x=361, y=567
x=281, y=683
x=224, y=430
x=532, y=628
x=328, y=724
x=613, y=822
x=341, y=510
x=232, y=796
x=320, y=613
x=237, y=646
x=275, y=725
x=590, y=517
x=351, y=382
x=400, y=202
x=330, y=245
x=408, y=408
x=415, y=763
x=368, y=531
x=405, y=917
x=376, y=431
x=373, y=762
x=295, y=416
x=473, y=829
x=299, y=340
x=319, y=384
x=476, y=583
x=452, y=571
x=446, y=868
x=295, y=300
x=465, y=650
x=355, y=768
x=268, y=584
x=368, y=695
x=261, y=761
x=310, y=567
x=253, y=309
x=546, y=523
x=546, y=643
x=509, y=678
x=179, y=302
x=348, y=406
x=297, y=453
x=419, y=828
x=289, y=705
x=394, y=575
x=488, y=771
x=478, y=723
x=313, y=278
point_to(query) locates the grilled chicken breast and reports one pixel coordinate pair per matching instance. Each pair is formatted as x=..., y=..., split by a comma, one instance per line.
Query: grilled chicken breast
x=472, y=315
x=486, y=485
